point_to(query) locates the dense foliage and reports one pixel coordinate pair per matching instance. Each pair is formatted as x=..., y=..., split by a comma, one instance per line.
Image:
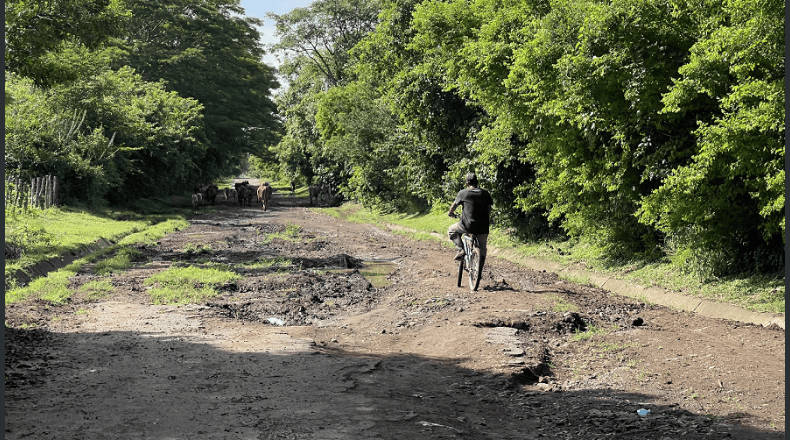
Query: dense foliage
x=648, y=128
x=645, y=127
x=125, y=98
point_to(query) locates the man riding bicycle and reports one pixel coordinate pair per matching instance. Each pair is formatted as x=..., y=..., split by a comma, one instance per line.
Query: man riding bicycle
x=475, y=216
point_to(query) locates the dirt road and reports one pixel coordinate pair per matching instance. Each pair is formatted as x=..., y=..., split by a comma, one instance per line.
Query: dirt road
x=400, y=356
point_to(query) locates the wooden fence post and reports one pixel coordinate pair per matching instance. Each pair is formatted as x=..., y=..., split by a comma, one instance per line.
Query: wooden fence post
x=21, y=196
x=39, y=186
x=48, y=203
x=56, y=191
x=37, y=193
x=25, y=195
x=32, y=192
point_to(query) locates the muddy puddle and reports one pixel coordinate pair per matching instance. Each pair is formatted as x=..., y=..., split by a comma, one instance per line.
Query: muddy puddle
x=375, y=271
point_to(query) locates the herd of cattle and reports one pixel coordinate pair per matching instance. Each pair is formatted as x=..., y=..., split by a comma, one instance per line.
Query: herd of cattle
x=245, y=194
x=242, y=192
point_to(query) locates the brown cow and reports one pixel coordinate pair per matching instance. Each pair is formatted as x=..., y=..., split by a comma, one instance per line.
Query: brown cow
x=249, y=195
x=241, y=191
x=318, y=191
x=211, y=194
x=264, y=195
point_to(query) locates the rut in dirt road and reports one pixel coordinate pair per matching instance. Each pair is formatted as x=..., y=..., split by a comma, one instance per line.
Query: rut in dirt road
x=343, y=331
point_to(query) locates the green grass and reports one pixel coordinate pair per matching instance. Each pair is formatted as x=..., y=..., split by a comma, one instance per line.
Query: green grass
x=590, y=332
x=44, y=234
x=190, y=248
x=265, y=263
x=54, y=286
x=119, y=262
x=559, y=304
x=291, y=233
x=185, y=285
x=760, y=293
x=97, y=288
x=425, y=223
x=55, y=231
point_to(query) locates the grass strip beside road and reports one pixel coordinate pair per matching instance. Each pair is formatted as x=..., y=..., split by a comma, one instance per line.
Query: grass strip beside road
x=54, y=286
x=758, y=293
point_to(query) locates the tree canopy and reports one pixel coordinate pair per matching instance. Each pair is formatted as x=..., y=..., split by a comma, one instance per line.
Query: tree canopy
x=123, y=98
x=645, y=127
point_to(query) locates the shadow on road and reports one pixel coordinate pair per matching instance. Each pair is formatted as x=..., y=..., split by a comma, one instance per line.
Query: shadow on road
x=145, y=385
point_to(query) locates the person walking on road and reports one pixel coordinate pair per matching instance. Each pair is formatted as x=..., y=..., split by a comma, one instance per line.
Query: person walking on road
x=476, y=206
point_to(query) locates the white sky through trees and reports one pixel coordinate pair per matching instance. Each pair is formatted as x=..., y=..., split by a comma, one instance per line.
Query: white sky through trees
x=253, y=8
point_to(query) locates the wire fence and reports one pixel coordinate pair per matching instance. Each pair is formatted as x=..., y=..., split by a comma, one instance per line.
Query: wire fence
x=40, y=192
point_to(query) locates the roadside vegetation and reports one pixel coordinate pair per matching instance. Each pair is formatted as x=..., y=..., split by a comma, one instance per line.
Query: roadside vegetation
x=640, y=138
x=41, y=235
x=759, y=292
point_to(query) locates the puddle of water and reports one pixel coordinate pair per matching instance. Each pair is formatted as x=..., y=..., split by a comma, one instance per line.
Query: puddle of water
x=375, y=271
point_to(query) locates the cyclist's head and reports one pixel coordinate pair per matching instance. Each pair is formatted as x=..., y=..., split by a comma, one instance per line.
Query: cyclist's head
x=471, y=179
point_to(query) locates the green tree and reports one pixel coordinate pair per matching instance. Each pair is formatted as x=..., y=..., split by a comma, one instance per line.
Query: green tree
x=35, y=28
x=316, y=41
x=725, y=207
x=435, y=122
x=359, y=132
x=323, y=33
x=109, y=134
x=210, y=52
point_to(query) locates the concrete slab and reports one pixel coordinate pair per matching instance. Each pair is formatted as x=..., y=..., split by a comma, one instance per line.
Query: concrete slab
x=623, y=288
x=671, y=299
x=726, y=311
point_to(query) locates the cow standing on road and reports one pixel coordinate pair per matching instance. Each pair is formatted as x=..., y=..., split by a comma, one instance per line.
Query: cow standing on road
x=197, y=200
x=318, y=191
x=264, y=195
x=248, y=195
x=211, y=194
x=241, y=190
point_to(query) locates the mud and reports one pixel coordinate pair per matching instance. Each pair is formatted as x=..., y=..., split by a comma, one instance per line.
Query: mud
x=312, y=348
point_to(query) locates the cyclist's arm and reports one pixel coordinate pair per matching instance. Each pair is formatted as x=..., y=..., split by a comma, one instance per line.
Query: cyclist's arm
x=451, y=212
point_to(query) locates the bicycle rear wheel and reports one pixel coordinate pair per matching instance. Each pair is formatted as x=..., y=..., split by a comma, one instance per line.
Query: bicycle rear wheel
x=475, y=269
x=460, y=271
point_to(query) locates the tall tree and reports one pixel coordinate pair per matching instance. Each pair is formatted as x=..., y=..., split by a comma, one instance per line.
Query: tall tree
x=323, y=33
x=725, y=207
x=316, y=41
x=35, y=28
x=208, y=51
x=436, y=122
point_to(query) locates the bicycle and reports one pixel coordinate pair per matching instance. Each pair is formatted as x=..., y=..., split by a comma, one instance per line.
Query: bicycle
x=472, y=262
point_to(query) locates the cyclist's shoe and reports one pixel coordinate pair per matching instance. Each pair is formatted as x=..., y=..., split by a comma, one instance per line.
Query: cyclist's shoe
x=460, y=255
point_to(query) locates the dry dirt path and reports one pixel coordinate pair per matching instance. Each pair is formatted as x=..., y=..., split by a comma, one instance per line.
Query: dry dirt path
x=418, y=358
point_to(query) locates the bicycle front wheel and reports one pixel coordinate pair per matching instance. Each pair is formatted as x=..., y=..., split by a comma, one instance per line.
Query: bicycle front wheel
x=475, y=269
x=460, y=271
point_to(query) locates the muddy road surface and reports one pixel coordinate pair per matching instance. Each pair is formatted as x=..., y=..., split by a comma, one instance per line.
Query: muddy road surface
x=343, y=331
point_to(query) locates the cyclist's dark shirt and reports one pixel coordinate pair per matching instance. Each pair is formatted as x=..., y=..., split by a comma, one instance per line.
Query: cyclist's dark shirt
x=476, y=202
